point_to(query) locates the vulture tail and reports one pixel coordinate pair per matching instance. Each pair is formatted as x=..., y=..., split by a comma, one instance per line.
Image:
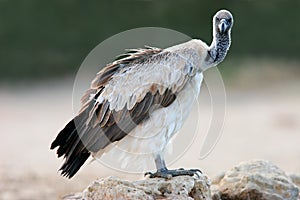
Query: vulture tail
x=71, y=147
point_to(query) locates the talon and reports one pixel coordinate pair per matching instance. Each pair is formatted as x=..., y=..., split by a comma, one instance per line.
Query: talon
x=196, y=170
x=148, y=173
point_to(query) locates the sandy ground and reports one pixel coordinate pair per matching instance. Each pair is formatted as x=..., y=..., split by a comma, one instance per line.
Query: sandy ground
x=261, y=122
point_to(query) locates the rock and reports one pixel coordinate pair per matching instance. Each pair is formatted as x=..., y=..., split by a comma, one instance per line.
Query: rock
x=178, y=188
x=256, y=179
x=295, y=178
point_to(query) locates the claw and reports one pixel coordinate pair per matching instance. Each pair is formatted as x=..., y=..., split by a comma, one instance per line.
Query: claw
x=196, y=172
x=148, y=173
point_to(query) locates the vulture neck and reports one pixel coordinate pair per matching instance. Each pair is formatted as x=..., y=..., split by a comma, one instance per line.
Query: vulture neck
x=219, y=47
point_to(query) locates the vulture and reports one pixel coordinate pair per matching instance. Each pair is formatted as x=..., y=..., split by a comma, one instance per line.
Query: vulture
x=141, y=100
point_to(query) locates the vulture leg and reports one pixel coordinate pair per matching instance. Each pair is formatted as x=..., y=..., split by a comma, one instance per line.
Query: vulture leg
x=163, y=172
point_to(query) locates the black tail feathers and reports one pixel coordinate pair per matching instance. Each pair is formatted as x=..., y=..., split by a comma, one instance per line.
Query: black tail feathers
x=71, y=147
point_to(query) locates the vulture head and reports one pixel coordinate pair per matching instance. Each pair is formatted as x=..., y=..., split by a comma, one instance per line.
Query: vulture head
x=223, y=22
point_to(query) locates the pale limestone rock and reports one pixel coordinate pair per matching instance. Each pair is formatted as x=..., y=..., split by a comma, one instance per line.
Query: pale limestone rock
x=177, y=188
x=295, y=178
x=252, y=180
x=256, y=179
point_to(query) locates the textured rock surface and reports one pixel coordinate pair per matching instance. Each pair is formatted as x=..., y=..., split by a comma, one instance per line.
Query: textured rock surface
x=257, y=179
x=252, y=180
x=295, y=178
x=179, y=188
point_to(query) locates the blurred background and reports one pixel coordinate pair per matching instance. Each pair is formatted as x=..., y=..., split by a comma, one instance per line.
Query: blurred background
x=43, y=43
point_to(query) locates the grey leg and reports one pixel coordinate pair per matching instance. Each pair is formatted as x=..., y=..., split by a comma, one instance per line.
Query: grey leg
x=160, y=162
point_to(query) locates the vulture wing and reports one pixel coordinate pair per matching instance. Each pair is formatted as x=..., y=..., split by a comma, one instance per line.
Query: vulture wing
x=122, y=96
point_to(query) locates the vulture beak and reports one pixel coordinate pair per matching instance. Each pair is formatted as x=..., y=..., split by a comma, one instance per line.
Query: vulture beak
x=223, y=26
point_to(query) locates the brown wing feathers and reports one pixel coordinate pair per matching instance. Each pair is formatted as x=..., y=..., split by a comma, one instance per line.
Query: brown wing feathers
x=96, y=126
x=120, y=123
